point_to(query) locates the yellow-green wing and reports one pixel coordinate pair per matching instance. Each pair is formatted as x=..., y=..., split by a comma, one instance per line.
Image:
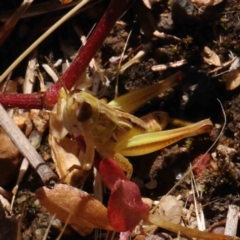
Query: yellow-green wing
x=150, y=142
x=131, y=101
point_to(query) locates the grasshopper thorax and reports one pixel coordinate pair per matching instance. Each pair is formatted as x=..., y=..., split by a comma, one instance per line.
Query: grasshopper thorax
x=86, y=115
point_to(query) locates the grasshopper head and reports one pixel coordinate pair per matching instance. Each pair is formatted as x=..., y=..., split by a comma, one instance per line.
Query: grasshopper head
x=80, y=113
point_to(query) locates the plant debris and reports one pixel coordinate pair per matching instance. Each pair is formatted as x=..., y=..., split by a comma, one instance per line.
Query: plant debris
x=211, y=57
x=193, y=45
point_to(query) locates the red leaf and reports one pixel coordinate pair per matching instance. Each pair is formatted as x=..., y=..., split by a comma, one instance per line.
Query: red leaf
x=110, y=172
x=125, y=206
x=201, y=163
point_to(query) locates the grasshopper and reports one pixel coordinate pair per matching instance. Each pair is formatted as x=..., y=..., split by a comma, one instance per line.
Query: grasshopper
x=113, y=132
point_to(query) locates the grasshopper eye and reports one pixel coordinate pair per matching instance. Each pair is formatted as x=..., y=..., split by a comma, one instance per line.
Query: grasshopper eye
x=84, y=112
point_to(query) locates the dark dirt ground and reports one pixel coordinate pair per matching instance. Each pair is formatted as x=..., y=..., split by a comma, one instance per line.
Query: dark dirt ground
x=217, y=27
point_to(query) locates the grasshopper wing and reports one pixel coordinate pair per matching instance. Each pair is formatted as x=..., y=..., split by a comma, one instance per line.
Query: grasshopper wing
x=141, y=96
x=150, y=142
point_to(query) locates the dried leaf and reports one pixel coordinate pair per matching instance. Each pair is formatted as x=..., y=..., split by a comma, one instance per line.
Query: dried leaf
x=170, y=209
x=233, y=79
x=24, y=122
x=83, y=231
x=210, y=57
x=206, y=2
x=64, y=200
x=56, y=127
x=64, y=154
x=9, y=160
x=40, y=119
x=8, y=150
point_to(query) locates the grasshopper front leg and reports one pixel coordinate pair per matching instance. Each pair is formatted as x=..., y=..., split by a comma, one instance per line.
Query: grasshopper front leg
x=89, y=154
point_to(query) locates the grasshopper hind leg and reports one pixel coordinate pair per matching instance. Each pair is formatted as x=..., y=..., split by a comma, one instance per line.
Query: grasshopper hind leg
x=124, y=164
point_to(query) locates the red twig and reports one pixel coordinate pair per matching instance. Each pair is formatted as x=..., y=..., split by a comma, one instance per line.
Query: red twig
x=77, y=67
x=95, y=41
x=26, y=101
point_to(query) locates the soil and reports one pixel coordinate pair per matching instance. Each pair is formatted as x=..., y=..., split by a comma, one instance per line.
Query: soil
x=200, y=95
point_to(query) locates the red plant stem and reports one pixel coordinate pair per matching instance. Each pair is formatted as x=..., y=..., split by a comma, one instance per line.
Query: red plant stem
x=27, y=101
x=95, y=41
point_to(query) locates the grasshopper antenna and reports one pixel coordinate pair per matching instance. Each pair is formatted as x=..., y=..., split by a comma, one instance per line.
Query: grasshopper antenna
x=57, y=74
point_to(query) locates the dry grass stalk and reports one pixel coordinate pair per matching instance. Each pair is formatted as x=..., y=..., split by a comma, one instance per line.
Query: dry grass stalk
x=232, y=221
x=38, y=9
x=30, y=72
x=9, y=25
x=25, y=147
x=166, y=36
x=162, y=67
x=226, y=64
x=43, y=37
x=184, y=231
x=137, y=58
x=22, y=171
